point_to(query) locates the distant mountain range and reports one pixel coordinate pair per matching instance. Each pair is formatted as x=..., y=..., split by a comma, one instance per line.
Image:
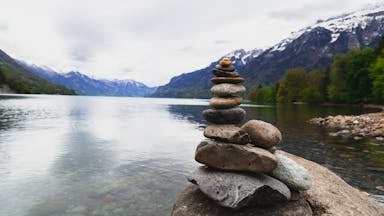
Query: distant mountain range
x=85, y=85
x=312, y=47
x=16, y=79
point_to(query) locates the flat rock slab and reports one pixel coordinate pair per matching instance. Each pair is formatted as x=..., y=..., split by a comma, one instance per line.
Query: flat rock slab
x=193, y=202
x=330, y=195
x=235, y=190
x=224, y=116
x=291, y=173
x=227, y=89
x=235, y=157
x=222, y=73
x=227, y=102
x=227, y=133
x=262, y=134
x=233, y=80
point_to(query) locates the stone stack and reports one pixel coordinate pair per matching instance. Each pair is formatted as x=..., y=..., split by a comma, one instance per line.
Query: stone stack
x=241, y=167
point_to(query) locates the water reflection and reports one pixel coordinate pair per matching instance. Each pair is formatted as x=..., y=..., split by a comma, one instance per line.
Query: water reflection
x=64, y=155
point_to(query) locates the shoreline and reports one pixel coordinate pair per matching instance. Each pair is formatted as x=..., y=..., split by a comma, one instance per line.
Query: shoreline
x=368, y=125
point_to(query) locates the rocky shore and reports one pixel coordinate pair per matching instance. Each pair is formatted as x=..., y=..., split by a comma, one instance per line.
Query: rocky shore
x=369, y=125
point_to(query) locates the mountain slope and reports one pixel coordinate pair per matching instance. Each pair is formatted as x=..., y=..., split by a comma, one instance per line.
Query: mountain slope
x=309, y=48
x=85, y=85
x=17, y=79
x=196, y=83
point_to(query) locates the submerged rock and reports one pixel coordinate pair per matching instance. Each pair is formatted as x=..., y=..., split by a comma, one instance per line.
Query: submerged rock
x=227, y=133
x=235, y=157
x=235, y=190
x=291, y=173
x=262, y=133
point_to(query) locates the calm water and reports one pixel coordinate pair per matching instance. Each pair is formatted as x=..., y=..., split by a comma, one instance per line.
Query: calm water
x=62, y=155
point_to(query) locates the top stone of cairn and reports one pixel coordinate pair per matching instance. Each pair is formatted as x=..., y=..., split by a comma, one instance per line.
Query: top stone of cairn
x=225, y=62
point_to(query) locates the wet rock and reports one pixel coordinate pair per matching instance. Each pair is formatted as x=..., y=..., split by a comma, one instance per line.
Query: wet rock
x=227, y=133
x=225, y=116
x=235, y=190
x=233, y=80
x=262, y=133
x=235, y=157
x=227, y=89
x=227, y=102
x=291, y=173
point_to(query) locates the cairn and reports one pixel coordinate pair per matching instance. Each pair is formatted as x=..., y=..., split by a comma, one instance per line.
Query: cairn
x=241, y=166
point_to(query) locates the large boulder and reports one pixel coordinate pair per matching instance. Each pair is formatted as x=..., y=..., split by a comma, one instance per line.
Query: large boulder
x=328, y=195
x=235, y=157
x=193, y=202
x=291, y=173
x=235, y=190
x=262, y=133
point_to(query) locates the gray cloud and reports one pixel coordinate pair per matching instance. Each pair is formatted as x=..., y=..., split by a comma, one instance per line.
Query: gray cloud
x=3, y=26
x=128, y=70
x=306, y=10
x=218, y=42
x=85, y=37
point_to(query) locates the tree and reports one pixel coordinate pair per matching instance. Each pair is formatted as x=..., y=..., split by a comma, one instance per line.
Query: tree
x=291, y=86
x=377, y=75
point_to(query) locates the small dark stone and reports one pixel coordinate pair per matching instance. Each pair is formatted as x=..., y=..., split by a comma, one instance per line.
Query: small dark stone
x=225, y=116
x=221, y=73
x=227, y=69
x=232, y=80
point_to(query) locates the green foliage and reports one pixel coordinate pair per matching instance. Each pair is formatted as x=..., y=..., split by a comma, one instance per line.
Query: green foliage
x=263, y=95
x=291, y=86
x=376, y=73
x=26, y=83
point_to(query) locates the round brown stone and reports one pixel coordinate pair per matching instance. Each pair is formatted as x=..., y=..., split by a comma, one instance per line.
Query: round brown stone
x=222, y=103
x=232, y=80
x=262, y=134
x=227, y=89
x=225, y=62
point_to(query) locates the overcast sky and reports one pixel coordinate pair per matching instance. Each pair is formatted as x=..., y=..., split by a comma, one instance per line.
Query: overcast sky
x=150, y=40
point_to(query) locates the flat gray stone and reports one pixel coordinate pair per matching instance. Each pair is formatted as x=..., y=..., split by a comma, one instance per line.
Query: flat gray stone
x=235, y=190
x=193, y=202
x=227, y=133
x=235, y=157
x=225, y=102
x=224, y=116
x=291, y=173
x=227, y=89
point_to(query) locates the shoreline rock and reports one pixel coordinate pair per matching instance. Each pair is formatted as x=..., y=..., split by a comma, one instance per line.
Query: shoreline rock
x=370, y=125
x=329, y=195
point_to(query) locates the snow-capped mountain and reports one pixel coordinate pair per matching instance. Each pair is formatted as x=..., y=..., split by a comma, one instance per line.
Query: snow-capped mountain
x=312, y=47
x=85, y=85
x=196, y=83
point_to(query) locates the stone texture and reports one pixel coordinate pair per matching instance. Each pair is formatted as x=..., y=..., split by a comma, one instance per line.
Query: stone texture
x=262, y=133
x=192, y=202
x=225, y=62
x=227, y=133
x=291, y=173
x=222, y=103
x=227, y=89
x=221, y=73
x=330, y=195
x=229, y=68
x=235, y=157
x=233, y=80
x=225, y=116
x=235, y=190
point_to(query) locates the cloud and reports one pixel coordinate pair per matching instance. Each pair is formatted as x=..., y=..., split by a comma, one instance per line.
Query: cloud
x=218, y=42
x=3, y=26
x=185, y=49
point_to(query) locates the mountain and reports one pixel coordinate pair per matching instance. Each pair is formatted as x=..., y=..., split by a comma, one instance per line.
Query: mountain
x=197, y=83
x=85, y=85
x=16, y=79
x=312, y=47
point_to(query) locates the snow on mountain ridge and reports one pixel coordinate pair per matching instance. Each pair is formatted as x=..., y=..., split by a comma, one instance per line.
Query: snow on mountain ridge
x=337, y=24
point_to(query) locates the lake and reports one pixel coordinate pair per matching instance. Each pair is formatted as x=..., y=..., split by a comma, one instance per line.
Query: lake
x=78, y=155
